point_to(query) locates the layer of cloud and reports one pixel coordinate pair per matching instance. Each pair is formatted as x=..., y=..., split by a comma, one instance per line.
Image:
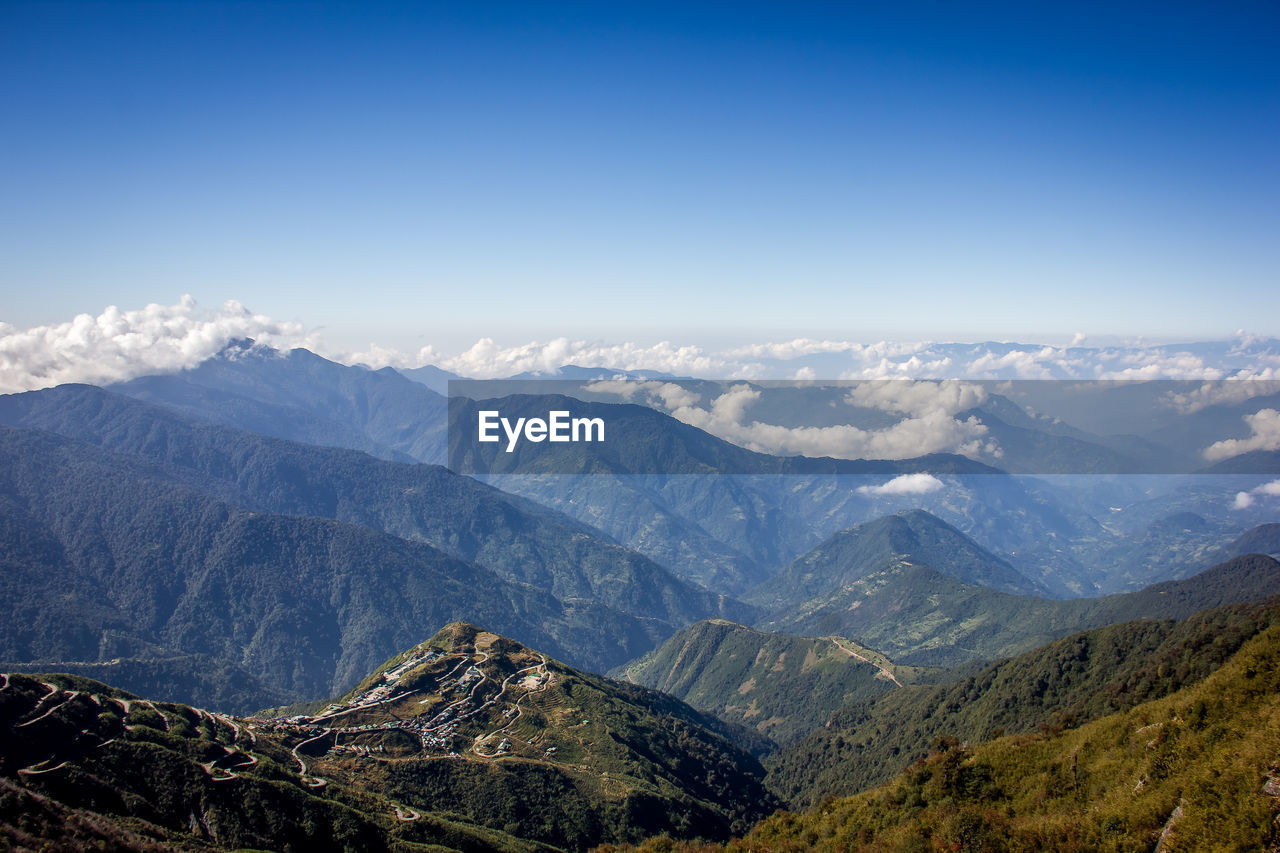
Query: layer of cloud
x=805, y=359
x=118, y=345
x=792, y=349
x=933, y=432
x=1146, y=365
x=1240, y=388
x=666, y=395
x=906, y=484
x=918, y=399
x=1265, y=426
x=1244, y=500
x=487, y=360
x=927, y=425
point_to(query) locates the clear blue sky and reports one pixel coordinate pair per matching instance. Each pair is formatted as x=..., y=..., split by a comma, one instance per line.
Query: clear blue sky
x=433, y=173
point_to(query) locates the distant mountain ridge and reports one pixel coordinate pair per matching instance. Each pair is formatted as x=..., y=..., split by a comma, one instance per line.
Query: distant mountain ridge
x=111, y=558
x=301, y=396
x=725, y=535
x=856, y=585
x=913, y=536
x=513, y=536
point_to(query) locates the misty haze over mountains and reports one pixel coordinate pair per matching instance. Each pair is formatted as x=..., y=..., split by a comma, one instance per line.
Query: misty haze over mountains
x=264, y=527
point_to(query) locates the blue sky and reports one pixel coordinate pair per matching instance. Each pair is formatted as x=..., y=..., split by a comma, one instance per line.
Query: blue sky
x=424, y=173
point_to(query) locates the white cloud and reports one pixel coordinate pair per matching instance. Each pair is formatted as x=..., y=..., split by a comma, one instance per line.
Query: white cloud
x=932, y=432
x=1145, y=364
x=791, y=349
x=487, y=360
x=1022, y=364
x=730, y=406
x=1239, y=389
x=1265, y=426
x=917, y=398
x=119, y=345
x=906, y=484
x=819, y=359
x=667, y=394
x=913, y=367
x=378, y=356
x=929, y=428
x=1244, y=500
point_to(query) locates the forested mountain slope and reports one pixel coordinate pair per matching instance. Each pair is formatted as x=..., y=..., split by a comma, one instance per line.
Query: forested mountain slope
x=1195, y=770
x=857, y=584
x=780, y=685
x=514, y=537
x=1063, y=684
x=111, y=559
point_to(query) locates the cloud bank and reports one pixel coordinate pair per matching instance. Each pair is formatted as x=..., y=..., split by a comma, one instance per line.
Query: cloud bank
x=1240, y=388
x=803, y=358
x=928, y=425
x=119, y=345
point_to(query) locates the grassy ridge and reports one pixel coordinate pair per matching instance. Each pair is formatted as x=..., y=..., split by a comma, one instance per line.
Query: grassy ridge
x=782, y=686
x=1067, y=682
x=469, y=741
x=1192, y=766
x=86, y=764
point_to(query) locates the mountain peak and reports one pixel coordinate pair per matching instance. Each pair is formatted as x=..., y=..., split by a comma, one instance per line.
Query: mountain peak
x=239, y=348
x=856, y=553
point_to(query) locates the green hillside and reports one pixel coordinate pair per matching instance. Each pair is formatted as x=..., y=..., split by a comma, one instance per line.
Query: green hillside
x=468, y=740
x=1065, y=683
x=912, y=536
x=782, y=686
x=1194, y=770
x=86, y=766
x=862, y=584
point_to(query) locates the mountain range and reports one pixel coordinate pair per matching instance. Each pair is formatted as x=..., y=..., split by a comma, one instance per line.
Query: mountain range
x=786, y=687
x=518, y=539
x=122, y=558
x=731, y=533
x=915, y=589
x=1187, y=762
x=270, y=531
